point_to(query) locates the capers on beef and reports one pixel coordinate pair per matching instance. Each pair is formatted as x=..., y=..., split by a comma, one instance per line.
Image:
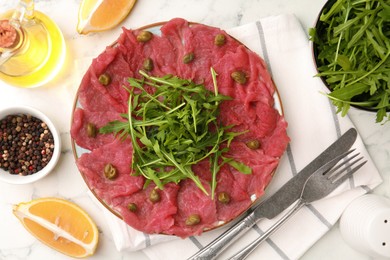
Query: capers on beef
x=132, y=207
x=144, y=36
x=154, y=196
x=148, y=64
x=110, y=171
x=192, y=220
x=253, y=144
x=223, y=197
x=220, y=39
x=91, y=130
x=104, y=79
x=188, y=58
x=239, y=77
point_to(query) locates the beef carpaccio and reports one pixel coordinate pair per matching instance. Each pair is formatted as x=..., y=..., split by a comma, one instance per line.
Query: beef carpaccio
x=250, y=110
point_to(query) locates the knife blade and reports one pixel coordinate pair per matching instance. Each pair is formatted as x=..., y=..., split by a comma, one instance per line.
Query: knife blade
x=279, y=201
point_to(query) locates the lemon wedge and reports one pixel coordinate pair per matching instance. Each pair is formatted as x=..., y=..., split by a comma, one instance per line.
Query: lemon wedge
x=101, y=15
x=60, y=224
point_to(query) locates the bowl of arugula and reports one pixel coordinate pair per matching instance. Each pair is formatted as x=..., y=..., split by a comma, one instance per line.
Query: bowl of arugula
x=351, y=50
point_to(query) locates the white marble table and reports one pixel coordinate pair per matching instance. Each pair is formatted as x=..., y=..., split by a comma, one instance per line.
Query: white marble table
x=56, y=98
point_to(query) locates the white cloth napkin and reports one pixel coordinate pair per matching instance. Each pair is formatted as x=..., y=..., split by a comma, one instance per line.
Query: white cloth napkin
x=313, y=126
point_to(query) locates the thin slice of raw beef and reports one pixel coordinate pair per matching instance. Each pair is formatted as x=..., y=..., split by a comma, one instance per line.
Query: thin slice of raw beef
x=119, y=155
x=157, y=217
x=192, y=201
x=250, y=111
x=79, y=128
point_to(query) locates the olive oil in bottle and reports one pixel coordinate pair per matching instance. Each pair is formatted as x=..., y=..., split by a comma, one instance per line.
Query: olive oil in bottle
x=32, y=50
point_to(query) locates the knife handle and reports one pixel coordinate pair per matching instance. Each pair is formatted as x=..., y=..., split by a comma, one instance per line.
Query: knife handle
x=212, y=250
x=246, y=251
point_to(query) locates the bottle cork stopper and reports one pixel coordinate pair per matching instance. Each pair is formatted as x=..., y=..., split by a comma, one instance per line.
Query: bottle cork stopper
x=8, y=34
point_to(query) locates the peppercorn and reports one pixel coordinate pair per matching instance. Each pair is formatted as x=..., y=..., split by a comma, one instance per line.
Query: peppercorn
x=22, y=138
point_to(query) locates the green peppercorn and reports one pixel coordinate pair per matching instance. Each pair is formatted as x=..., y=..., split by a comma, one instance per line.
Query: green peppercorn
x=192, y=220
x=110, y=172
x=253, y=144
x=132, y=207
x=154, y=196
x=239, y=77
x=104, y=79
x=223, y=197
x=91, y=130
x=148, y=64
x=188, y=58
x=144, y=36
x=220, y=39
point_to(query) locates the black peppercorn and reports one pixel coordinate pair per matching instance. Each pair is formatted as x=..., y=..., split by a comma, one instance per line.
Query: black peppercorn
x=26, y=144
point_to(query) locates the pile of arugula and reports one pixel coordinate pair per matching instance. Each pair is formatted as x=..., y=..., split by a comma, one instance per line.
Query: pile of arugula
x=352, y=48
x=173, y=127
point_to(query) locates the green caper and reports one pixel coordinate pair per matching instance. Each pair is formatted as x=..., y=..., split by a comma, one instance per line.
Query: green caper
x=192, y=220
x=91, y=130
x=239, y=77
x=154, y=196
x=110, y=172
x=148, y=64
x=104, y=79
x=132, y=207
x=144, y=36
x=253, y=144
x=220, y=39
x=223, y=197
x=188, y=58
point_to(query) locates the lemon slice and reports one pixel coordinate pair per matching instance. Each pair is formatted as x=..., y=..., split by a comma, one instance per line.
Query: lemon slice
x=60, y=224
x=101, y=15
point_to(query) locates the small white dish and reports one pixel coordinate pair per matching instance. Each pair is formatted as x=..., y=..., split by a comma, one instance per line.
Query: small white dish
x=20, y=179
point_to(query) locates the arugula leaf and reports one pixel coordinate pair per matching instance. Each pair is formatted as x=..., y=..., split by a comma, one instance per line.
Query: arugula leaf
x=352, y=42
x=172, y=127
x=348, y=92
x=241, y=167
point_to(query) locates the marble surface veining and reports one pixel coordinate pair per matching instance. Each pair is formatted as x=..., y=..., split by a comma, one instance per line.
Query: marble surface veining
x=56, y=100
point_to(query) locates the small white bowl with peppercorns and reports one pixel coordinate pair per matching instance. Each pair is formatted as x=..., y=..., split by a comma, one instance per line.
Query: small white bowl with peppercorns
x=30, y=145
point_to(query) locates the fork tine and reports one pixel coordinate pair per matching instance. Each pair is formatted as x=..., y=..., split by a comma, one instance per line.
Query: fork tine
x=337, y=180
x=332, y=171
x=347, y=164
x=328, y=166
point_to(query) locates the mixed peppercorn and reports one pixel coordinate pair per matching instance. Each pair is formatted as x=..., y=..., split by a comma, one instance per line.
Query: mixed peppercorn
x=26, y=144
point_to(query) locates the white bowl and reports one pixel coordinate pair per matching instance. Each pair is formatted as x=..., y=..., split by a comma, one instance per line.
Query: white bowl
x=20, y=179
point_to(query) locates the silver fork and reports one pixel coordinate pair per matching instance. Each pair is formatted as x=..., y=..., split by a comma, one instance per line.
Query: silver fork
x=317, y=186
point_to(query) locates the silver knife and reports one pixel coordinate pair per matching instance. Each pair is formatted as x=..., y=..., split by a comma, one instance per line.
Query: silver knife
x=279, y=201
